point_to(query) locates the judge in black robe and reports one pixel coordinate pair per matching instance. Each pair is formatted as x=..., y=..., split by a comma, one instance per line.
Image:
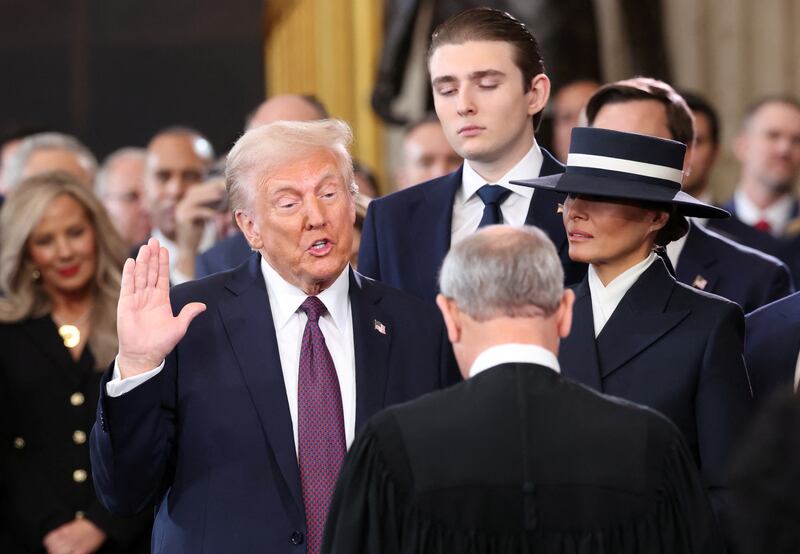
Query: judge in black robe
x=516, y=458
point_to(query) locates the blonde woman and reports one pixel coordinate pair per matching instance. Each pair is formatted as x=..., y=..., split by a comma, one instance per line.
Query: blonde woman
x=60, y=271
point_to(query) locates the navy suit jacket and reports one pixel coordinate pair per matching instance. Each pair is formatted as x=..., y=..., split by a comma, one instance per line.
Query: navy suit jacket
x=772, y=343
x=406, y=234
x=228, y=253
x=209, y=440
x=676, y=350
x=719, y=265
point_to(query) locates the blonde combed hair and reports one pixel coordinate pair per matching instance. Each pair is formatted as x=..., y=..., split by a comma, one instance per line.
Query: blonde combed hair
x=267, y=148
x=24, y=297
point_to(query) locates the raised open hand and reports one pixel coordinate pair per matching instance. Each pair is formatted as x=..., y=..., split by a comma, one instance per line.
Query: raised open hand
x=146, y=328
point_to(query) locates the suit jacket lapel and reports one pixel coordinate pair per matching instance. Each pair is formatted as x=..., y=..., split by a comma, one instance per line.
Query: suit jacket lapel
x=697, y=260
x=251, y=331
x=578, y=352
x=639, y=320
x=432, y=218
x=787, y=332
x=372, y=338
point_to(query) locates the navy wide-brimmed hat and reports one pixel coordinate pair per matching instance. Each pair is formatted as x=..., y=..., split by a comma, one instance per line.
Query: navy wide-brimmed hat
x=628, y=166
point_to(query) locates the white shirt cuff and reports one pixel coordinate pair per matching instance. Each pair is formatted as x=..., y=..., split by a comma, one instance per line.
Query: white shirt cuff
x=117, y=386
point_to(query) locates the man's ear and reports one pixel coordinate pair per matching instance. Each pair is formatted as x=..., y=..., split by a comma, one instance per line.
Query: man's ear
x=452, y=317
x=249, y=229
x=540, y=93
x=564, y=316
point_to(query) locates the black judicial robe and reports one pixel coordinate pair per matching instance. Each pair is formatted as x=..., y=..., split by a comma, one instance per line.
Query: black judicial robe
x=518, y=459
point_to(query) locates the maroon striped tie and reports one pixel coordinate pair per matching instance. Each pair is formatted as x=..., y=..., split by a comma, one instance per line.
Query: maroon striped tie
x=320, y=424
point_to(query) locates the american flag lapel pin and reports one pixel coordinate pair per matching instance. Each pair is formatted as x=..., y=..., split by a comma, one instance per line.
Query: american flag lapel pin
x=700, y=282
x=379, y=327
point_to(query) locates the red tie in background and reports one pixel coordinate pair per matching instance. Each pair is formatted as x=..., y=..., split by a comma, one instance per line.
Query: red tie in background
x=320, y=424
x=763, y=226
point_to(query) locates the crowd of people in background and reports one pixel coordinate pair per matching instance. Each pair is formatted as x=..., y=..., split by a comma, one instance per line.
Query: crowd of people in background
x=637, y=285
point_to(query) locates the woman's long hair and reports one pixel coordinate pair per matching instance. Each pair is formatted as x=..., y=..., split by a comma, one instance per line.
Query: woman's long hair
x=24, y=297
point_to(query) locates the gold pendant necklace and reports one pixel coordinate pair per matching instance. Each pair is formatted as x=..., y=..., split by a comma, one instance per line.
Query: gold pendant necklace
x=70, y=333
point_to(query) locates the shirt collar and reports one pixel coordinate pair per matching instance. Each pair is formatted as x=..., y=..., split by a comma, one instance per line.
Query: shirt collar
x=529, y=166
x=514, y=353
x=171, y=246
x=777, y=214
x=611, y=294
x=285, y=299
x=675, y=247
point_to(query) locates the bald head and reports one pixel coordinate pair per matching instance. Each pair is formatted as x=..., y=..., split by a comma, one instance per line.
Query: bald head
x=176, y=159
x=287, y=107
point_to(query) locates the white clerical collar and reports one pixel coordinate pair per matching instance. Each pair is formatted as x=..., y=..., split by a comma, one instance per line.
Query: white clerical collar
x=514, y=353
x=529, y=166
x=777, y=214
x=606, y=298
x=285, y=299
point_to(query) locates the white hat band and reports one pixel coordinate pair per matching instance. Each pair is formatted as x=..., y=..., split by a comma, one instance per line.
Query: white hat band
x=625, y=166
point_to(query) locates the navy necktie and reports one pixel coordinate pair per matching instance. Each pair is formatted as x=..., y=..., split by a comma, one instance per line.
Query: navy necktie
x=320, y=424
x=492, y=196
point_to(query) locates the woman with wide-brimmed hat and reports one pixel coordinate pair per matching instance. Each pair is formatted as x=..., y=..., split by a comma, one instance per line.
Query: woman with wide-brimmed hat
x=638, y=333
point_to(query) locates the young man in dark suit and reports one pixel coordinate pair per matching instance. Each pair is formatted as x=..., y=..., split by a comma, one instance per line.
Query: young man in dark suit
x=489, y=90
x=516, y=458
x=702, y=259
x=235, y=427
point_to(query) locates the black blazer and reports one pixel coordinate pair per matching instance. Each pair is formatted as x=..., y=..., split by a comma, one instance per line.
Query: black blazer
x=772, y=343
x=718, y=265
x=209, y=440
x=47, y=405
x=406, y=234
x=519, y=459
x=675, y=349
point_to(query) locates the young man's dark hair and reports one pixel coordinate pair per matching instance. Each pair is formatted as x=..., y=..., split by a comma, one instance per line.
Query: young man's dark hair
x=699, y=104
x=489, y=24
x=679, y=117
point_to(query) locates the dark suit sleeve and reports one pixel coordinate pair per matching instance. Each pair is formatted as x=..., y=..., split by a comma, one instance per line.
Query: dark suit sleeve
x=724, y=404
x=133, y=443
x=201, y=268
x=450, y=374
x=779, y=285
x=368, y=261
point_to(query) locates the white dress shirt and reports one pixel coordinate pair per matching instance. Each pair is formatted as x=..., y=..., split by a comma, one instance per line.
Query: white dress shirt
x=514, y=353
x=207, y=241
x=675, y=248
x=777, y=215
x=797, y=373
x=336, y=327
x=605, y=299
x=468, y=207
x=290, y=322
